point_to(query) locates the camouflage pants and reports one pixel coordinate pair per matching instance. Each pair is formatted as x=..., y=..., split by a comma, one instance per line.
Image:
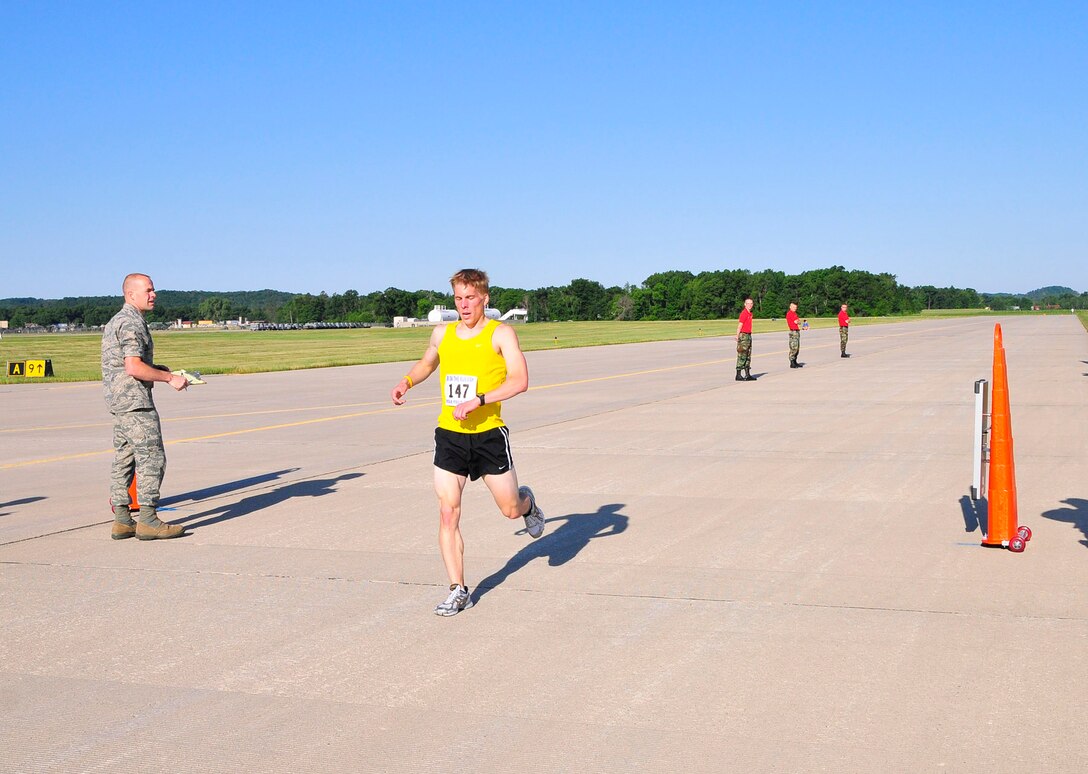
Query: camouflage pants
x=137, y=443
x=795, y=344
x=844, y=334
x=744, y=350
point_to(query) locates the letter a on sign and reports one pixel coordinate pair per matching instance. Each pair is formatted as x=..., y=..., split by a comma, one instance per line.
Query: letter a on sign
x=16, y=368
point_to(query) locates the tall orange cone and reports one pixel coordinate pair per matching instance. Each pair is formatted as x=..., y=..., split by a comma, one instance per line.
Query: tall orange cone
x=1001, y=493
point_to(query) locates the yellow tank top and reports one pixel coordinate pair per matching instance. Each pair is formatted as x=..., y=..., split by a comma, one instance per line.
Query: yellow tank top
x=467, y=367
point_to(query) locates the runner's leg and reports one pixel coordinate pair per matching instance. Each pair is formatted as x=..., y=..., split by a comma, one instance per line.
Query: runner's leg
x=504, y=488
x=449, y=486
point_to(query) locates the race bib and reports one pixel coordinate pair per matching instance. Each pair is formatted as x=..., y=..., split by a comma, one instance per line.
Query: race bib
x=459, y=388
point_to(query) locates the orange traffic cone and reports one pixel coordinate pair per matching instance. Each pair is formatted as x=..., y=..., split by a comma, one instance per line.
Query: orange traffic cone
x=1001, y=518
x=133, y=505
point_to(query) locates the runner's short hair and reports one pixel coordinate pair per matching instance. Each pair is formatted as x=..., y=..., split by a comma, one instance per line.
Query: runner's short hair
x=474, y=278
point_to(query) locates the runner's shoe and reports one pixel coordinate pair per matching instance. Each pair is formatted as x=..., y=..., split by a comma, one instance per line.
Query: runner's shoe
x=534, y=519
x=457, y=601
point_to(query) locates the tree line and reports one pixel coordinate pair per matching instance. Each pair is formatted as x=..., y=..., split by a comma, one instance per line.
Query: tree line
x=670, y=295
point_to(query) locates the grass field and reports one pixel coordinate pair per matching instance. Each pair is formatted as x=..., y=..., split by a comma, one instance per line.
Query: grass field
x=75, y=356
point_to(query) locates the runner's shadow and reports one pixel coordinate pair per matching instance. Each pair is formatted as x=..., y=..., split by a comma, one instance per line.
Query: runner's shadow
x=233, y=486
x=559, y=545
x=258, y=502
x=974, y=514
x=24, y=501
x=1077, y=515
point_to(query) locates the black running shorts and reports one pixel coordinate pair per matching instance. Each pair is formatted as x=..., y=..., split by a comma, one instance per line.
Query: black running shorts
x=473, y=454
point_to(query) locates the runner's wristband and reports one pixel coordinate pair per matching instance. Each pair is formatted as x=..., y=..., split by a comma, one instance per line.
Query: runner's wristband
x=480, y=395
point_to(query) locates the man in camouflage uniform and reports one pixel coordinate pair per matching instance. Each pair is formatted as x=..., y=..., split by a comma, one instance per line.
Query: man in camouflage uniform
x=844, y=330
x=744, y=343
x=795, y=335
x=128, y=374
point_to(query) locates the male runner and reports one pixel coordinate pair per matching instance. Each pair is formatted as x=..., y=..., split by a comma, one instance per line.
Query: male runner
x=795, y=335
x=480, y=365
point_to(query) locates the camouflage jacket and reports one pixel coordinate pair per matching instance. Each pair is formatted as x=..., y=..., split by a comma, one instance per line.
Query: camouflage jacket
x=126, y=335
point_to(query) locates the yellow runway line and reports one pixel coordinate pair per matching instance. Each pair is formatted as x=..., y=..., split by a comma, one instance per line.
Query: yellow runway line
x=197, y=418
x=354, y=415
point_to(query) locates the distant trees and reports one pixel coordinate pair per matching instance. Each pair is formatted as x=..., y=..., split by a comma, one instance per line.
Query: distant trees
x=669, y=295
x=215, y=308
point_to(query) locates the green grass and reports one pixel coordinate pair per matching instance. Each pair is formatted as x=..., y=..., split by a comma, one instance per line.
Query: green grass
x=75, y=356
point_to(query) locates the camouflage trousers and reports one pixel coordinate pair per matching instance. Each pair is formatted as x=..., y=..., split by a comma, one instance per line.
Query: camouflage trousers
x=795, y=344
x=744, y=350
x=137, y=445
x=844, y=334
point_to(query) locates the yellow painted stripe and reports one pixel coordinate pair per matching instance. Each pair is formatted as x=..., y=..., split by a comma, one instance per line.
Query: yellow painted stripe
x=264, y=428
x=295, y=409
x=354, y=415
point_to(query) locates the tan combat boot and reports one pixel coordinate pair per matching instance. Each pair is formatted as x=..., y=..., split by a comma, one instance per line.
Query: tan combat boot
x=120, y=531
x=123, y=525
x=150, y=527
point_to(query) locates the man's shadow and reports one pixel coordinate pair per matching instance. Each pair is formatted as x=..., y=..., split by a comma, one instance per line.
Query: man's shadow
x=232, y=486
x=559, y=545
x=24, y=501
x=1076, y=514
x=257, y=502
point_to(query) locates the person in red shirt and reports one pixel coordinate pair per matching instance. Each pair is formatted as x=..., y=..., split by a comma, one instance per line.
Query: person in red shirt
x=795, y=335
x=744, y=343
x=844, y=330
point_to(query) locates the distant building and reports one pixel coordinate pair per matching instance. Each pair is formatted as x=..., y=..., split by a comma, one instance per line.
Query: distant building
x=441, y=314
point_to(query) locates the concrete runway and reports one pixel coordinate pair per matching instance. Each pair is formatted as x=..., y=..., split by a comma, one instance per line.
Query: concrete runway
x=774, y=576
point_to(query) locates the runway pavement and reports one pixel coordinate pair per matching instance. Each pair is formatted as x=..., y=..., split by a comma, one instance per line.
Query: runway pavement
x=782, y=575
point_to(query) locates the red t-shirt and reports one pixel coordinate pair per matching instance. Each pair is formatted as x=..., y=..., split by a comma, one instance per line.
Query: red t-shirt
x=745, y=321
x=844, y=319
x=791, y=321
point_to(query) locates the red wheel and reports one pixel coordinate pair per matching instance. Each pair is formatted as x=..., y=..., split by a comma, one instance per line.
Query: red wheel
x=1016, y=545
x=1025, y=533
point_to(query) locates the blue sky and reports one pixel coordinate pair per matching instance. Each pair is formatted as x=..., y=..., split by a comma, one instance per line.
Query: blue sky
x=326, y=146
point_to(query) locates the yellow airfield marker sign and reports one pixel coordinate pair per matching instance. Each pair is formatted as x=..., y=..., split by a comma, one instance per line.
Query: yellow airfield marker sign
x=31, y=369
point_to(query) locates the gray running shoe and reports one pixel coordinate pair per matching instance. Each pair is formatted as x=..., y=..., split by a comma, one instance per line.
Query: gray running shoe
x=534, y=520
x=457, y=601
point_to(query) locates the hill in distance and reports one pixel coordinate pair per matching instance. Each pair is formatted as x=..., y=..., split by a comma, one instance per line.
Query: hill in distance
x=1040, y=293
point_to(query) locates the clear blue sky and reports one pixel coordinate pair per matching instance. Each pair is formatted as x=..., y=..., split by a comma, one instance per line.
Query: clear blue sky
x=326, y=146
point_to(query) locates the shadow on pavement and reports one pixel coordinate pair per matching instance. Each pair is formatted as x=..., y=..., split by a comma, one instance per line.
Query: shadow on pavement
x=1077, y=515
x=24, y=501
x=561, y=544
x=974, y=514
x=258, y=502
x=232, y=486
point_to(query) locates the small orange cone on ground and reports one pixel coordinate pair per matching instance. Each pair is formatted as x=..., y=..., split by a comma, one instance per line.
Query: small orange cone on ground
x=133, y=505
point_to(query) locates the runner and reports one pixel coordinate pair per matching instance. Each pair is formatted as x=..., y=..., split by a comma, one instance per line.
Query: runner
x=480, y=365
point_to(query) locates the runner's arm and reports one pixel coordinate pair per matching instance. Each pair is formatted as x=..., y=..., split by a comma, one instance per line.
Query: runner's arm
x=517, y=371
x=506, y=344
x=422, y=368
